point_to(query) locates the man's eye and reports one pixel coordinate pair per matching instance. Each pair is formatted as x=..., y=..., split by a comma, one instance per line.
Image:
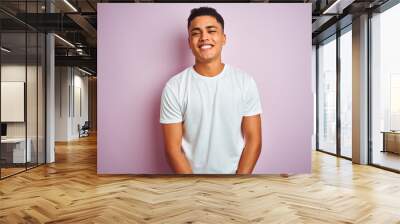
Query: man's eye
x=212, y=31
x=194, y=34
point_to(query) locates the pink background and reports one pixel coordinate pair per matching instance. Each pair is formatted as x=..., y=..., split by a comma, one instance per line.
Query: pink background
x=140, y=46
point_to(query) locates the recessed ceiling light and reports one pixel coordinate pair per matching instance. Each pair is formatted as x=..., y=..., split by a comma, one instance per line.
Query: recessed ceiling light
x=70, y=5
x=84, y=71
x=5, y=50
x=64, y=40
x=337, y=7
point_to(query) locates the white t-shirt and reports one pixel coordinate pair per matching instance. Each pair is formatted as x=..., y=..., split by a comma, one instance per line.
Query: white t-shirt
x=211, y=109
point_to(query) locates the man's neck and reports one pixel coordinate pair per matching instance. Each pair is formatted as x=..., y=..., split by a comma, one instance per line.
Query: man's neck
x=209, y=69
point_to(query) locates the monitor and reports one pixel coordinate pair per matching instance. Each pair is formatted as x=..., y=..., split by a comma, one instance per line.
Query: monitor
x=3, y=129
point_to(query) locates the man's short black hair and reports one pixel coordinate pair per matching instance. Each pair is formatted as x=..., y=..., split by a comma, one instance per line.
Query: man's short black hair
x=205, y=11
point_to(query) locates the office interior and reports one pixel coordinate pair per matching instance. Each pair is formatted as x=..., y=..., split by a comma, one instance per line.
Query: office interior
x=334, y=88
x=48, y=83
x=49, y=97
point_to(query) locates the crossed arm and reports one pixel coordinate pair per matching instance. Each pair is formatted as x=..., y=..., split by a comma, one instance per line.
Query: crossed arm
x=251, y=129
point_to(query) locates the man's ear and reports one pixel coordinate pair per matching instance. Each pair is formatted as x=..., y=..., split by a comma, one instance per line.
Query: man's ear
x=224, y=39
x=188, y=42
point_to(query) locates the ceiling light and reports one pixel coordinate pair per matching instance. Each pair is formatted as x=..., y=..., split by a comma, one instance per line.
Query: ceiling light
x=84, y=71
x=337, y=7
x=5, y=50
x=64, y=40
x=70, y=5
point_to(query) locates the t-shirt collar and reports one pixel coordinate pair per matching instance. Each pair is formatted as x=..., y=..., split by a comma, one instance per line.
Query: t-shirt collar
x=218, y=76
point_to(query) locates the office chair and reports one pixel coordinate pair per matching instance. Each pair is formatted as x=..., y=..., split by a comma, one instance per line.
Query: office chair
x=84, y=130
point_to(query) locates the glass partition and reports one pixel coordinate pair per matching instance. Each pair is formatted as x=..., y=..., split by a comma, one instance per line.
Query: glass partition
x=346, y=93
x=13, y=105
x=32, y=95
x=22, y=77
x=327, y=96
x=385, y=89
x=41, y=87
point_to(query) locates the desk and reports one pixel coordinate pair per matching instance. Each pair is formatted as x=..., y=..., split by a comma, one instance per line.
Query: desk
x=391, y=141
x=15, y=148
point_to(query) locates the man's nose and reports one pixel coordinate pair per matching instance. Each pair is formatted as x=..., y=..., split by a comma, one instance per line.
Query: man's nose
x=204, y=36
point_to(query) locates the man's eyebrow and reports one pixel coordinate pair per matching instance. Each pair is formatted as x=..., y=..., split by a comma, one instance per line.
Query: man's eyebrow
x=210, y=27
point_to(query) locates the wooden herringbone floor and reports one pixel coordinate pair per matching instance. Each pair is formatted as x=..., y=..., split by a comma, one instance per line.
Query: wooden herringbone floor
x=70, y=191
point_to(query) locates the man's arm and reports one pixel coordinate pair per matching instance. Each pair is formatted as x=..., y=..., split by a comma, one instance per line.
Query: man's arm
x=251, y=128
x=173, y=140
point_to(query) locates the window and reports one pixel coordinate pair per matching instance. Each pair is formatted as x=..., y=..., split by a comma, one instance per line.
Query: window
x=385, y=88
x=327, y=96
x=346, y=93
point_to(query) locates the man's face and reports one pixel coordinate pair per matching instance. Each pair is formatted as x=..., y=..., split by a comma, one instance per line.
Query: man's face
x=206, y=38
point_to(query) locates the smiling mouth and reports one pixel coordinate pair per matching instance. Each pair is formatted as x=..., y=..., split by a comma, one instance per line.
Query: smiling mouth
x=206, y=46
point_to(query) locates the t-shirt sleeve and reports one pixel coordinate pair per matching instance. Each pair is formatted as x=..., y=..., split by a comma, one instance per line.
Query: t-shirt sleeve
x=170, y=111
x=252, y=102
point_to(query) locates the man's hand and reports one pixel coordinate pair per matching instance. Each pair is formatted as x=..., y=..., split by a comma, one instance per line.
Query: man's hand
x=251, y=128
x=173, y=141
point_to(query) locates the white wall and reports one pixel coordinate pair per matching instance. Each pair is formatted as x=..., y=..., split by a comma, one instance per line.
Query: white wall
x=33, y=127
x=70, y=83
x=62, y=81
x=11, y=73
x=15, y=72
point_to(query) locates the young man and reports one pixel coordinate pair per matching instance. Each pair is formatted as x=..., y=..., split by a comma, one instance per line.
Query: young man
x=210, y=113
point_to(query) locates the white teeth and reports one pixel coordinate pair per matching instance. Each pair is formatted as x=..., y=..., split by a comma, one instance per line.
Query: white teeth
x=205, y=46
